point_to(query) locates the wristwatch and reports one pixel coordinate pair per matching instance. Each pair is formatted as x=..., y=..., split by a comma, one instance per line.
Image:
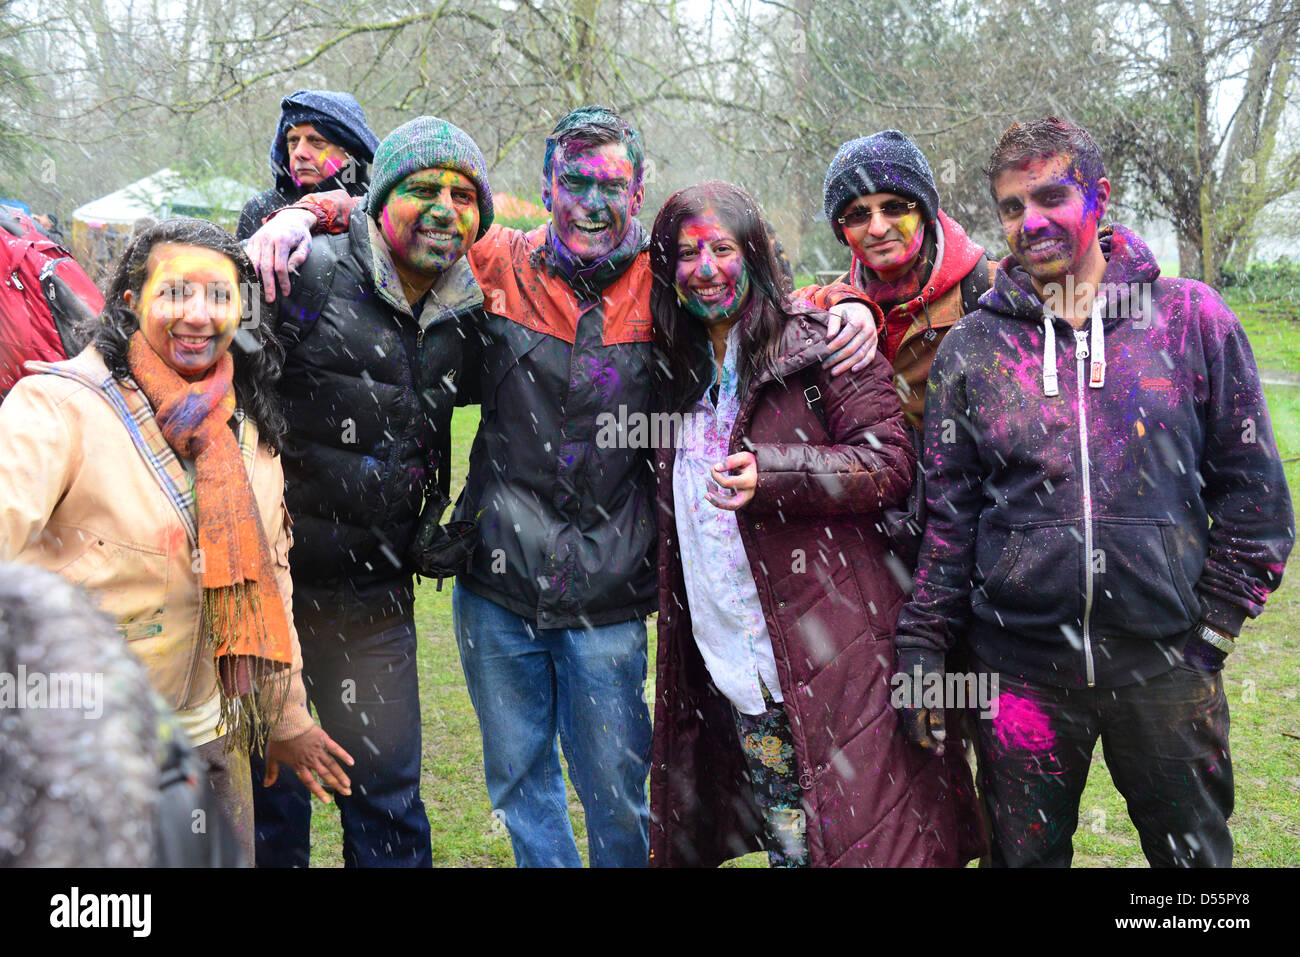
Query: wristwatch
x=1214, y=639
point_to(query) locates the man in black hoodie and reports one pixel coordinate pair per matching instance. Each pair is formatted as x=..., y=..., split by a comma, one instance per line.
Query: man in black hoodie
x=321, y=143
x=1100, y=527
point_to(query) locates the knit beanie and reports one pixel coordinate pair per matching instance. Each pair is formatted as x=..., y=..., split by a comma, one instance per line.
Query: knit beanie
x=885, y=162
x=423, y=143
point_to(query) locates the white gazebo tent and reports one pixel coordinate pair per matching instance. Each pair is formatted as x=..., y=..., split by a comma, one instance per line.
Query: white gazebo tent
x=122, y=207
x=101, y=227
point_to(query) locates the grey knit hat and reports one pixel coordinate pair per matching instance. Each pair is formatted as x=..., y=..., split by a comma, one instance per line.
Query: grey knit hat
x=423, y=143
x=884, y=162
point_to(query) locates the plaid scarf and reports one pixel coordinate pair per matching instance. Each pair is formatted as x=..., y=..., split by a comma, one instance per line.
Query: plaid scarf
x=243, y=612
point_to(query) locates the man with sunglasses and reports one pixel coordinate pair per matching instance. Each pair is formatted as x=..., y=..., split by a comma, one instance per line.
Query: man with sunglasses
x=925, y=273
x=908, y=256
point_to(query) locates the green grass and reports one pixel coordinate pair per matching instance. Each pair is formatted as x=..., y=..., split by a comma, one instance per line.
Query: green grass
x=1260, y=681
x=1274, y=330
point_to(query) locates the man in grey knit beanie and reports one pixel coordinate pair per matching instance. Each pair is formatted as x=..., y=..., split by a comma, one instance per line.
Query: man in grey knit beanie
x=374, y=325
x=424, y=143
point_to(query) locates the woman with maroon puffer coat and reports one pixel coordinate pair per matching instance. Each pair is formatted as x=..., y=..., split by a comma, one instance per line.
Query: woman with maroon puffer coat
x=773, y=727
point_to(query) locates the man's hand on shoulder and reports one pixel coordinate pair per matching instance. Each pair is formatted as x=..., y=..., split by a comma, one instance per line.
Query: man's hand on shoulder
x=853, y=337
x=279, y=248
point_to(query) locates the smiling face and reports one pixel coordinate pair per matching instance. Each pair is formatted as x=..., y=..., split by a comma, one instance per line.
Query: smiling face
x=429, y=219
x=189, y=307
x=312, y=158
x=592, y=195
x=711, y=274
x=890, y=242
x=1050, y=218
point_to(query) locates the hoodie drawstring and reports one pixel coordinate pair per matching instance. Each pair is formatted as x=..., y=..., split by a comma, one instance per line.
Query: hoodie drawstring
x=1049, y=354
x=1097, y=349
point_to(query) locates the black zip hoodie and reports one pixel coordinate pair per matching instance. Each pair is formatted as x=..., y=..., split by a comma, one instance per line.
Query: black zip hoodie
x=1085, y=515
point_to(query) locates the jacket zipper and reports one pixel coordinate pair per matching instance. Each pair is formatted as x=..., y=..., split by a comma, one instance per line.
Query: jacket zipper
x=1081, y=353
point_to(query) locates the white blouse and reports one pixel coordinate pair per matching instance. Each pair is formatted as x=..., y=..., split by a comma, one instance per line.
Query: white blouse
x=726, y=616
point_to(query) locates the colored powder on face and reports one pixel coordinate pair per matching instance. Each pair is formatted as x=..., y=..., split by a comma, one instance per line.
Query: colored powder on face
x=593, y=197
x=909, y=228
x=1022, y=725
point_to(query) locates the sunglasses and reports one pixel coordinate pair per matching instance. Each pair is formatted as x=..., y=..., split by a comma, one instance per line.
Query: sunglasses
x=861, y=215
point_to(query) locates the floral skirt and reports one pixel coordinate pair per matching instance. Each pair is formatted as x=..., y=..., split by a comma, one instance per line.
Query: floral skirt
x=769, y=752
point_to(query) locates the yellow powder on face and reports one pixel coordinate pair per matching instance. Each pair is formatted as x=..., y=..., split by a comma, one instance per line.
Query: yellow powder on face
x=907, y=227
x=175, y=266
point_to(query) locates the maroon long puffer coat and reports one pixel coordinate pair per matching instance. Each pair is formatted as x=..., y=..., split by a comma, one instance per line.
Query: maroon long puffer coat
x=831, y=453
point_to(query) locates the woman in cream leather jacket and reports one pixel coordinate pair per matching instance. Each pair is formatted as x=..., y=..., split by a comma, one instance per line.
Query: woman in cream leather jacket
x=145, y=471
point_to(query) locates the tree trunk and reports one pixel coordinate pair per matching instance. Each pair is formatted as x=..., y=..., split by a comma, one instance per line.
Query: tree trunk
x=583, y=48
x=1189, y=256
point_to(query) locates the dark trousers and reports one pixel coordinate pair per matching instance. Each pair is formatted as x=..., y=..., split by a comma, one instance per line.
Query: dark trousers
x=231, y=790
x=1166, y=745
x=363, y=684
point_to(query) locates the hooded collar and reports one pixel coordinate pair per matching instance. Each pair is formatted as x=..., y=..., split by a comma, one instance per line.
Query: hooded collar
x=1130, y=266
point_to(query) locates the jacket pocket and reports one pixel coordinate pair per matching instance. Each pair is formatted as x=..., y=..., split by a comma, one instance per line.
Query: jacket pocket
x=88, y=568
x=506, y=348
x=1034, y=575
x=1012, y=542
x=1142, y=578
x=128, y=582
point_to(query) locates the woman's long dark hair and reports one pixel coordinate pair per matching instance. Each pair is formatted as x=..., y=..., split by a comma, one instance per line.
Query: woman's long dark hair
x=257, y=352
x=684, y=363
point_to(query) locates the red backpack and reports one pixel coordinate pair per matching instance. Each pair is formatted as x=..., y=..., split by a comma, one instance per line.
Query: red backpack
x=46, y=299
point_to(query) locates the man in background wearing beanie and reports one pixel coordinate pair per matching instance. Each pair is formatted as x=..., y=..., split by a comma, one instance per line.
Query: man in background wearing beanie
x=373, y=330
x=925, y=273
x=917, y=264
x=322, y=142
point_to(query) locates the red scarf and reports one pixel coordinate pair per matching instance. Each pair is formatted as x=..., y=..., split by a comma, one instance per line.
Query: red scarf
x=243, y=612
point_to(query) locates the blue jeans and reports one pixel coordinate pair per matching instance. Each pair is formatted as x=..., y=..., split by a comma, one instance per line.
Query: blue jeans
x=588, y=685
x=364, y=686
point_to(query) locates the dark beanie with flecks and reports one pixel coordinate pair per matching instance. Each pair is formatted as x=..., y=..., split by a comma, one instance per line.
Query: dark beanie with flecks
x=423, y=143
x=884, y=162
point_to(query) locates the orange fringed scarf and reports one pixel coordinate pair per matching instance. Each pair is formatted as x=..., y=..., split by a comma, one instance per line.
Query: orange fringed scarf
x=243, y=612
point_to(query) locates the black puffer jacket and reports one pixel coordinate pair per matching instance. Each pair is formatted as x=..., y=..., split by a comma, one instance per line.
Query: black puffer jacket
x=369, y=393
